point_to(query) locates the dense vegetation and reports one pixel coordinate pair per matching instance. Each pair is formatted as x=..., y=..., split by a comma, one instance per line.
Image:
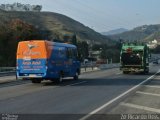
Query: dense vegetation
x=55, y=25
x=10, y=34
x=109, y=51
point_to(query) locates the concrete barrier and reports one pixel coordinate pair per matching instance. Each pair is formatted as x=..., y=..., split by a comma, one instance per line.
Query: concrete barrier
x=109, y=66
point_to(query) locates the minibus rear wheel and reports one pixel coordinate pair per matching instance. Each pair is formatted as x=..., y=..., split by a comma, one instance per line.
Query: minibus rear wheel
x=36, y=81
x=76, y=76
x=60, y=79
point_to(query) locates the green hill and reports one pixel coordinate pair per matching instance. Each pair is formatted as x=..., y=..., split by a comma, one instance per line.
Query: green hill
x=142, y=33
x=55, y=24
x=19, y=26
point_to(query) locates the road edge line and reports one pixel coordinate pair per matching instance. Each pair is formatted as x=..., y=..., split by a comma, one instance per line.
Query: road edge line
x=118, y=97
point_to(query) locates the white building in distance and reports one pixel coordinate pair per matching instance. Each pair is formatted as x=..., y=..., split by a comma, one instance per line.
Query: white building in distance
x=20, y=7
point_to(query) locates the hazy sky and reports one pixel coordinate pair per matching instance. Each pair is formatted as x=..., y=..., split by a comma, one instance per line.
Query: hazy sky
x=103, y=15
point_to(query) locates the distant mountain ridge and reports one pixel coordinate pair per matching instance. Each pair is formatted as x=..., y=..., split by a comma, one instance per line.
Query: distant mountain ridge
x=142, y=33
x=116, y=31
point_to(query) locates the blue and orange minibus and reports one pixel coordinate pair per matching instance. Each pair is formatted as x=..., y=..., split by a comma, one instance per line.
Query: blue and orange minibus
x=39, y=60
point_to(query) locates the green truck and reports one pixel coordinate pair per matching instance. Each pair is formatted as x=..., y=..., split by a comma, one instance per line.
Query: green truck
x=134, y=57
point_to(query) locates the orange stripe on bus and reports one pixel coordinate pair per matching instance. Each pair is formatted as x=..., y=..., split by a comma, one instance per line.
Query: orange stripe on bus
x=35, y=49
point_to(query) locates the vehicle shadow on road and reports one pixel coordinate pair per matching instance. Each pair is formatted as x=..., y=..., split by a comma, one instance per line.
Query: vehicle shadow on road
x=138, y=73
x=126, y=79
x=97, y=82
x=63, y=83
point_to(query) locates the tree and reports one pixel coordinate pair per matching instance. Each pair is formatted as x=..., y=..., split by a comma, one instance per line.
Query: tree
x=10, y=34
x=83, y=50
x=70, y=38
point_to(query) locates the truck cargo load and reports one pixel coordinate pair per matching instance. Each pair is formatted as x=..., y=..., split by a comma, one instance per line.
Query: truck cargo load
x=134, y=57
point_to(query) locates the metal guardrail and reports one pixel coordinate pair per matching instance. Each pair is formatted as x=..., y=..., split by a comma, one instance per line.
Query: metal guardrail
x=7, y=74
x=109, y=66
x=5, y=69
x=100, y=66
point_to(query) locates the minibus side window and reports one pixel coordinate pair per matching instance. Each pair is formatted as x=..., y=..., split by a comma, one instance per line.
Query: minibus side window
x=70, y=53
x=75, y=53
x=67, y=53
x=61, y=53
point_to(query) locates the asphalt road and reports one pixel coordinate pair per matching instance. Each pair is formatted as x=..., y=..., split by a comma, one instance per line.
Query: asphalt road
x=95, y=92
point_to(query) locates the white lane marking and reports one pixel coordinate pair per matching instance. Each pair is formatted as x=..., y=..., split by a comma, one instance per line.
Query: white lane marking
x=153, y=86
x=76, y=83
x=118, y=73
x=141, y=107
x=146, y=93
x=118, y=97
x=157, y=78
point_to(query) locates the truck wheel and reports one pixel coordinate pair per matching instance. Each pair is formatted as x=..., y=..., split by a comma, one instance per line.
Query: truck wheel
x=36, y=81
x=146, y=71
x=76, y=76
x=125, y=72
